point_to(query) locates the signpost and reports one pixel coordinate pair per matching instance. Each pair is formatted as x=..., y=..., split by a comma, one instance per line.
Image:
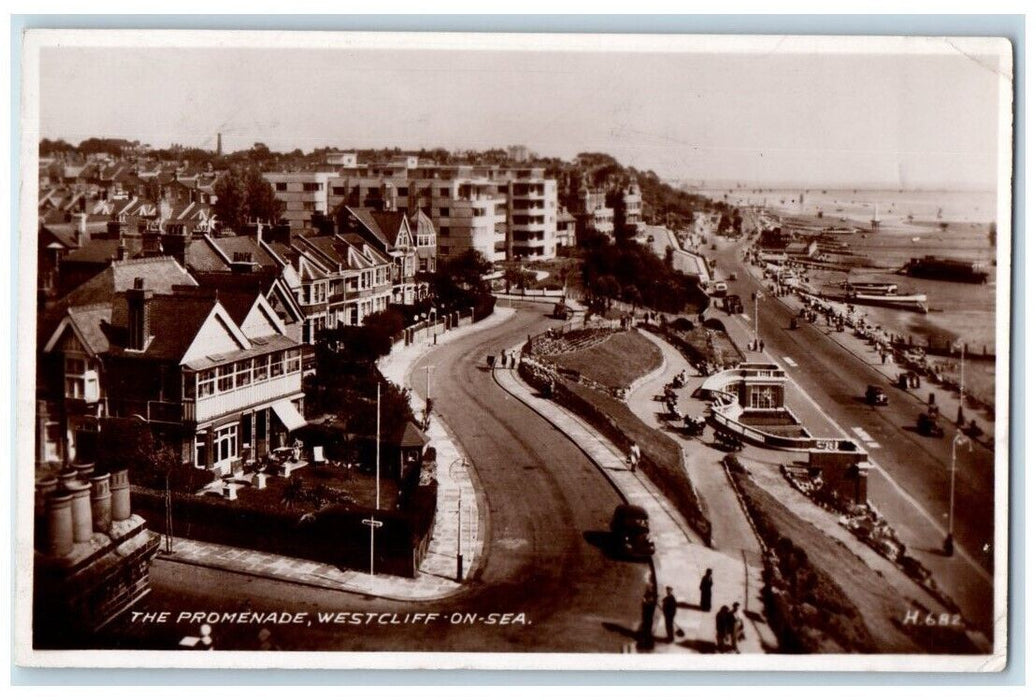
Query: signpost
x=372, y=522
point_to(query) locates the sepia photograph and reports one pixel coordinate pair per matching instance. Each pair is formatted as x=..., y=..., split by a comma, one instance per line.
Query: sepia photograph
x=513, y=351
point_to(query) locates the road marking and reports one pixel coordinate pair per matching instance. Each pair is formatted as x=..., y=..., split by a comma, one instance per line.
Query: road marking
x=862, y=434
x=909, y=498
x=790, y=362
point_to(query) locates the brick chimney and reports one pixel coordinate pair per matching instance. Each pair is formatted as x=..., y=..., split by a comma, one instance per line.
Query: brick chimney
x=175, y=245
x=138, y=301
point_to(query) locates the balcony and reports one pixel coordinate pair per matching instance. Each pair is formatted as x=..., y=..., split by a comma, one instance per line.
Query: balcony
x=151, y=411
x=209, y=407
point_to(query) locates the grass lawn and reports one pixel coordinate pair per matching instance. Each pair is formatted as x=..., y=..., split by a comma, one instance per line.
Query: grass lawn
x=713, y=345
x=846, y=606
x=355, y=487
x=616, y=362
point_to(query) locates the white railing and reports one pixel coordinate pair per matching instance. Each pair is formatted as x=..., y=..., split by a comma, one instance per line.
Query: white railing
x=242, y=397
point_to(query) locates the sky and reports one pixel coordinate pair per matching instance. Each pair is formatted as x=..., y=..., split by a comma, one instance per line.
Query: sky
x=780, y=117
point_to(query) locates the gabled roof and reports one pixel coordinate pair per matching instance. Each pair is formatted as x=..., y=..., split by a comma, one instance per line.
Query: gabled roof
x=421, y=224
x=176, y=321
x=392, y=224
x=88, y=323
x=228, y=246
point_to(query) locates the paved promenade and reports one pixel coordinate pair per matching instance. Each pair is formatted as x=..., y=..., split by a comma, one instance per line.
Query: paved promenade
x=437, y=573
x=681, y=558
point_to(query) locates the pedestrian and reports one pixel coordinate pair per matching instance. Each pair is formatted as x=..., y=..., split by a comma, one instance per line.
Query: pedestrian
x=706, y=591
x=634, y=457
x=737, y=627
x=647, y=619
x=669, y=613
x=762, y=345
x=722, y=623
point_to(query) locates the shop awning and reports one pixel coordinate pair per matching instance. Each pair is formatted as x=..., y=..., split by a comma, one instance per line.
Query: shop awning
x=289, y=415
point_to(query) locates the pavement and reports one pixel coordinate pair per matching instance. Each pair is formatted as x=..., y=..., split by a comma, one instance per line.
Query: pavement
x=437, y=573
x=681, y=558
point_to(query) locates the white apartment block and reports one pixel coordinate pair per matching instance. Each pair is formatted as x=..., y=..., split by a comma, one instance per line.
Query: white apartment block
x=503, y=212
x=303, y=194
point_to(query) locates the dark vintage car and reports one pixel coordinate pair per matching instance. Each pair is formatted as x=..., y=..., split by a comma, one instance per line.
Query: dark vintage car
x=631, y=533
x=928, y=425
x=876, y=396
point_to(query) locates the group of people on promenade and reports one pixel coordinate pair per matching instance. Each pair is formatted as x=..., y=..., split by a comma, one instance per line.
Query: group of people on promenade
x=730, y=626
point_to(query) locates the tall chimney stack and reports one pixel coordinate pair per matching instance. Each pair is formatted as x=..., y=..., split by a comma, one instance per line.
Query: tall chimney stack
x=138, y=301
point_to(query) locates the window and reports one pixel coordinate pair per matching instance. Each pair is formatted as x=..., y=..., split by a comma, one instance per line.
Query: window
x=403, y=191
x=338, y=191
x=444, y=211
x=226, y=378
x=294, y=360
x=224, y=446
x=189, y=385
x=199, y=451
x=244, y=372
x=444, y=191
x=282, y=186
x=75, y=377
x=312, y=186
x=277, y=364
x=206, y=383
x=262, y=369
x=444, y=231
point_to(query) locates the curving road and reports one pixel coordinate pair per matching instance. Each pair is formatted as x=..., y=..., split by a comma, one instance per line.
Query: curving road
x=546, y=505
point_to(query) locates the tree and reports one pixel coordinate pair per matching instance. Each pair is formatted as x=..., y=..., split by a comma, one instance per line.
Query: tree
x=261, y=201
x=243, y=196
x=230, y=203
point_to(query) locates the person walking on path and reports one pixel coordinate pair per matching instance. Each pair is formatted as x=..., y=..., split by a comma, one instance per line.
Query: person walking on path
x=647, y=619
x=706, y=591
x=722, y=629
x=669, y=613
x=736, y=627
x=634, y=457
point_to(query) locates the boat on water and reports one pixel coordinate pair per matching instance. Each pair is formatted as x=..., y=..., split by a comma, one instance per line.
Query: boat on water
x=879, y=294
x=951, y=269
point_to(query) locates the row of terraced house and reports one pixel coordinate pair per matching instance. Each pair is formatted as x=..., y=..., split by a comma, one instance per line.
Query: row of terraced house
x=202, y=336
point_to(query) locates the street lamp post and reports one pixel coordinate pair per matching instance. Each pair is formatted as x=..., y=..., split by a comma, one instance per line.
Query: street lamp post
x=435, y=330
x=960, y=406
x=958, y=439
x=755, y=299
x=455, y=469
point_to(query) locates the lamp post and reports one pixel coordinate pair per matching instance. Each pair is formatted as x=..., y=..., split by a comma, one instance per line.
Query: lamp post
x=755, y=322
x=958, y=439
x=435, y=331
x=455, y=469
x=960, y=406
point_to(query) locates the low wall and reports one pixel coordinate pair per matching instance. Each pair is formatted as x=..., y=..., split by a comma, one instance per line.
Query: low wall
x=336, y=535
x=673, y=481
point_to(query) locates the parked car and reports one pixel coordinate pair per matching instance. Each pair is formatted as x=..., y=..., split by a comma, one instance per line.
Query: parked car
x=631, y=533
x=720, y=288
x=876, y=396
